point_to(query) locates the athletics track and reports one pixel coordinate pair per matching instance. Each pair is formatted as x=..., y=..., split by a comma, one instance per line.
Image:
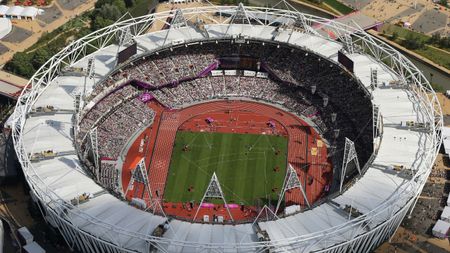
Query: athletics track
x=307, y=152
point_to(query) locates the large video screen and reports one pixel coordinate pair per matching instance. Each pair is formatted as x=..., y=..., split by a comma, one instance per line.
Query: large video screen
x=344, y=60
x=236, y=62
x=126, y=53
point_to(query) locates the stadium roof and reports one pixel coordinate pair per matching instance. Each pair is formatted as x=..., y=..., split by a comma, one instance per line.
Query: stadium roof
x=5, y=27
x=10, y=90
x=379, y=186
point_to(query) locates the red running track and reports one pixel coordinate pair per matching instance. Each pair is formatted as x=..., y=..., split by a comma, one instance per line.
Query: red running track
x=306, y=151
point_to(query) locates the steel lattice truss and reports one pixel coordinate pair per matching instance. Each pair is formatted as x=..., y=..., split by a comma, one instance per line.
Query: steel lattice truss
x=63, y=213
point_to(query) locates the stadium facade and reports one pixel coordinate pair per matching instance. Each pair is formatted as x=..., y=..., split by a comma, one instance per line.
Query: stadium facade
x=407, y=122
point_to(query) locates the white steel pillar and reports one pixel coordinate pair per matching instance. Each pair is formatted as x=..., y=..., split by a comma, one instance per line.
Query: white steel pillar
x=291, y=181
x=349, y=156
x=214, y=191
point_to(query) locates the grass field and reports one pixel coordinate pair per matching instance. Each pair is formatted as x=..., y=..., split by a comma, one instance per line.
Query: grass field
x=244, y=164
x=342, y=8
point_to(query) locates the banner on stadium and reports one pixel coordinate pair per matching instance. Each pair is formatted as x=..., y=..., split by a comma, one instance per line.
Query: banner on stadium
x=249, y=73
x=217, y=73
x=231, y=72
x=262, y=75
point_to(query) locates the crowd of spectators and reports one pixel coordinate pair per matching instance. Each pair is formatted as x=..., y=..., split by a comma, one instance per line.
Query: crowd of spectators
x=301, y=81
x=109, y=174
x=91, y=116
x=115, y=130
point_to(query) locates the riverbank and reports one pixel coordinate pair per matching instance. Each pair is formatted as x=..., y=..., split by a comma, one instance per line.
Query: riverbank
x=418, y=57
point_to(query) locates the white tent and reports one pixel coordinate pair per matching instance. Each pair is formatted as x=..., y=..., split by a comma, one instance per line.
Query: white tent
x=441, y=228
x=19, y=12
x=3, y=10
x=30, y=12
x=5, y=27
x=14, y=12
x=445, y=216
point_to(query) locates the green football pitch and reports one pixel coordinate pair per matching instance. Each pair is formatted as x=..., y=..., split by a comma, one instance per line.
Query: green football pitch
x=244, y=164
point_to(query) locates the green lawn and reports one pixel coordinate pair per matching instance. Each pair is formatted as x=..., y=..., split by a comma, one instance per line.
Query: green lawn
x=244, y=165
x=437, y=56
x=389, y=29
x=342, y=8
x=141, y=7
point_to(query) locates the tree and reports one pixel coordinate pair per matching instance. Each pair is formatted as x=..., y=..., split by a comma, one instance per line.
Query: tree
x=39, y=57
x=435, y=38
x=412, y=42
x=129, y=3
x=443, y=3
x=394, y=35
x=111, y=12
x=444, y=42
x=21, y=65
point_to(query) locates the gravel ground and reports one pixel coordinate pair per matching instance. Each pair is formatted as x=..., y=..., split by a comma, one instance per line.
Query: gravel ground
x=3, y=49
x=430, y=21
x=50, y=14
x=406, y=13
x=70, y=4
x=17, y=35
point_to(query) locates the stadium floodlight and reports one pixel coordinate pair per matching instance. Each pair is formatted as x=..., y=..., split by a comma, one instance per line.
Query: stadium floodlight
x=156, y=207
x=291, y=181
x=348, y=43
x=93, y=140
x=177, y=22
x=240, y=16
x=90, y=73
x=90, y=70
x=349, y=156
x=139, y=174
x=333, y=117
x=265, y=214
x=325, y=101
x=377, y=121
x=214, y=191
x=124, y=37
x=373, y=78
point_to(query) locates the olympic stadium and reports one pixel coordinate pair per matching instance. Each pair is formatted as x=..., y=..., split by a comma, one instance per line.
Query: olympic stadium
x=230, y=129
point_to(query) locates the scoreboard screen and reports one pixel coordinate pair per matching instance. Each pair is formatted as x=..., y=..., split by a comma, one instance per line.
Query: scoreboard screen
x=125, y=54
x=344, y=60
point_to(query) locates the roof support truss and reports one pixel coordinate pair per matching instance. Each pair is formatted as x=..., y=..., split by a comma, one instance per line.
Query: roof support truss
x=291, y=181
x=214, y=191
x=350, y=155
